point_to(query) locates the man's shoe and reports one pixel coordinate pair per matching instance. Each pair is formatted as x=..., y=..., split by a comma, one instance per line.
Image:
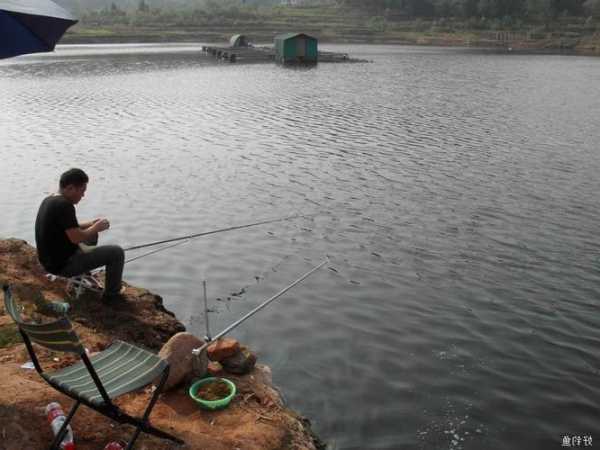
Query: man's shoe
x=113, y=298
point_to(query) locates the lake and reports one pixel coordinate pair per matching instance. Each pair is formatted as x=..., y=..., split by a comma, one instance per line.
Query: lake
x=454, y=191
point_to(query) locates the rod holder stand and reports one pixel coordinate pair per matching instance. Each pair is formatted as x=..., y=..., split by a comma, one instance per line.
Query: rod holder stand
x=207, y=337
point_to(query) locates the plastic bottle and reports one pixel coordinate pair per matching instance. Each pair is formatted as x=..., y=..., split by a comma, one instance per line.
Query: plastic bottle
x=56, y=418
x=60, y=308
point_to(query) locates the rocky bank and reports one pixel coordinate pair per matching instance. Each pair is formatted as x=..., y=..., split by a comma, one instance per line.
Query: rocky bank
x=256, y=419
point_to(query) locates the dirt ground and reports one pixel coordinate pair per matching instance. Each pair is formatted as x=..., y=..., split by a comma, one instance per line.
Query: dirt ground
x=255, y=420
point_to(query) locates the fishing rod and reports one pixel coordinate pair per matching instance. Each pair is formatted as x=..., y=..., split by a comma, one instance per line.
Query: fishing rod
x=185, y=239
x=221, y=230
x=143, y=255
x=197, y=351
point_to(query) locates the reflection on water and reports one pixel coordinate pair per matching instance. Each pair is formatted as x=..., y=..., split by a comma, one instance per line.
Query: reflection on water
x=454, y=191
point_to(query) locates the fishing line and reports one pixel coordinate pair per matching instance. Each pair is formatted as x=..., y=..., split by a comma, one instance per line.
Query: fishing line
x=199, y=355
x=221, y=230
x=185, y=239
x=156, y=251
x=261, y=276
x=266, y=302
x=268, y=269
x=189, y=238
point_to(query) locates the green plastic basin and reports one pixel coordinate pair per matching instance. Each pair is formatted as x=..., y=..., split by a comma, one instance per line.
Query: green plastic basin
x=212, y=404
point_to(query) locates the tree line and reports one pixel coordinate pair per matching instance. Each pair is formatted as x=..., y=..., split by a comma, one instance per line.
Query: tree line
x=498, y=9
x=190, y=12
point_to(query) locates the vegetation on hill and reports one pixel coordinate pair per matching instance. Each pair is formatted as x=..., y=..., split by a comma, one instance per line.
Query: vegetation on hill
x=499, y=9
x=530, y=24
x=494, y=9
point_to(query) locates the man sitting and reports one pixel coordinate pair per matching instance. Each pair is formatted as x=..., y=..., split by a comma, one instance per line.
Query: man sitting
x=58, y=235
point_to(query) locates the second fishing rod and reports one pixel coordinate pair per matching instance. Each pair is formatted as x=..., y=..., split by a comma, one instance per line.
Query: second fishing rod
x=184, y=239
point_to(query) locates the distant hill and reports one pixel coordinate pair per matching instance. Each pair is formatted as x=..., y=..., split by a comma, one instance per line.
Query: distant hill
x=81, y=6
x=360, y=21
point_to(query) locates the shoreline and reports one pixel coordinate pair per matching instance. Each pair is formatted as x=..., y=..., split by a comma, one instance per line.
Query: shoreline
x=528, y=47
x=256, y=419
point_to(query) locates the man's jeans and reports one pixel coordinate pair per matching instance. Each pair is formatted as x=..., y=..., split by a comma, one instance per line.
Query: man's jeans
x=111, y=256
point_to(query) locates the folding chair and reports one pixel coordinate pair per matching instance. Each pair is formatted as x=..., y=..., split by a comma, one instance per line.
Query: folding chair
x=94, y=381
x=86, y=281
x=79, y=283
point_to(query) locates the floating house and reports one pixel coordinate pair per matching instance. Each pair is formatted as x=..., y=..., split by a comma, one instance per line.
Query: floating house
x=298, y=48
x=239, y=40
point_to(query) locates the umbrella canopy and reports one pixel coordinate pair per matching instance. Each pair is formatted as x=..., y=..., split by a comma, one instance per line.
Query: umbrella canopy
x=31, y=26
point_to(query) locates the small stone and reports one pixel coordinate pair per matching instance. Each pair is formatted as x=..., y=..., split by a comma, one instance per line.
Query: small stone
x=223, y=348
x=214, y=368
x=241, y=363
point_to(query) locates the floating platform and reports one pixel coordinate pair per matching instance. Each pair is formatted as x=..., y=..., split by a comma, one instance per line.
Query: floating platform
x=266, y=54
x=241, y=54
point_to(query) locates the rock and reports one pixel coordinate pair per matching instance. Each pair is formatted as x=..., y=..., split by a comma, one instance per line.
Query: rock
x=214, y=368
x=264, y=389
x=178, y=352
x=241, y=363
x=223, y=348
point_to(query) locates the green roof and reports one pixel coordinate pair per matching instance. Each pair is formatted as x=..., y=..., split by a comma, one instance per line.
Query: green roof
x=286, y=36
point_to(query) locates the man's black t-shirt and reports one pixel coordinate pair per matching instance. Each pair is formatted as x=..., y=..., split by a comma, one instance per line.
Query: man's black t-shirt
x=56, y=214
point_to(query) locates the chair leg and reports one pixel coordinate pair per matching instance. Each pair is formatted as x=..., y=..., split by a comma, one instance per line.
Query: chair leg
x=79, y=283
x=75, y=284
x=63, y=430
x=79, y=289
x=133, y=438
x=157, y=392
x=144, y=424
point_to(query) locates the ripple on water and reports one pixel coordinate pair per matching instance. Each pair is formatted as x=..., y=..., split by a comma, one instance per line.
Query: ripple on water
x=457, y=206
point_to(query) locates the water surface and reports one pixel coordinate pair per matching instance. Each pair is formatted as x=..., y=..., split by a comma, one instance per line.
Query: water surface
x=454, y=191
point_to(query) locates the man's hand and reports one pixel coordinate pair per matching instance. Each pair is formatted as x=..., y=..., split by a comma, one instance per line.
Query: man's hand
x=80, y=234
x=101, y=225
x=90, y=223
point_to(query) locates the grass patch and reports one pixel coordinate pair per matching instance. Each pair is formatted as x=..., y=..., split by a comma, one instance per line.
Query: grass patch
x=9, y=335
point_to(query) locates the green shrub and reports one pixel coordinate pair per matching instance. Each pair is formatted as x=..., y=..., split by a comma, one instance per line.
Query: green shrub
x=9, y=335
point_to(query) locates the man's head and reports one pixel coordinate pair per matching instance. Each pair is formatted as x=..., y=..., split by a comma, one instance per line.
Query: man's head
x=73, y=184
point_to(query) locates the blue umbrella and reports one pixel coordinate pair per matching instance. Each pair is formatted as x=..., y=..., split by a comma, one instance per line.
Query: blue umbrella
x=31, y=26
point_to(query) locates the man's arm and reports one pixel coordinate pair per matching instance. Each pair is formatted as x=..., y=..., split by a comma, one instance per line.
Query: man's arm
x=85, y=225
x=81, y=234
